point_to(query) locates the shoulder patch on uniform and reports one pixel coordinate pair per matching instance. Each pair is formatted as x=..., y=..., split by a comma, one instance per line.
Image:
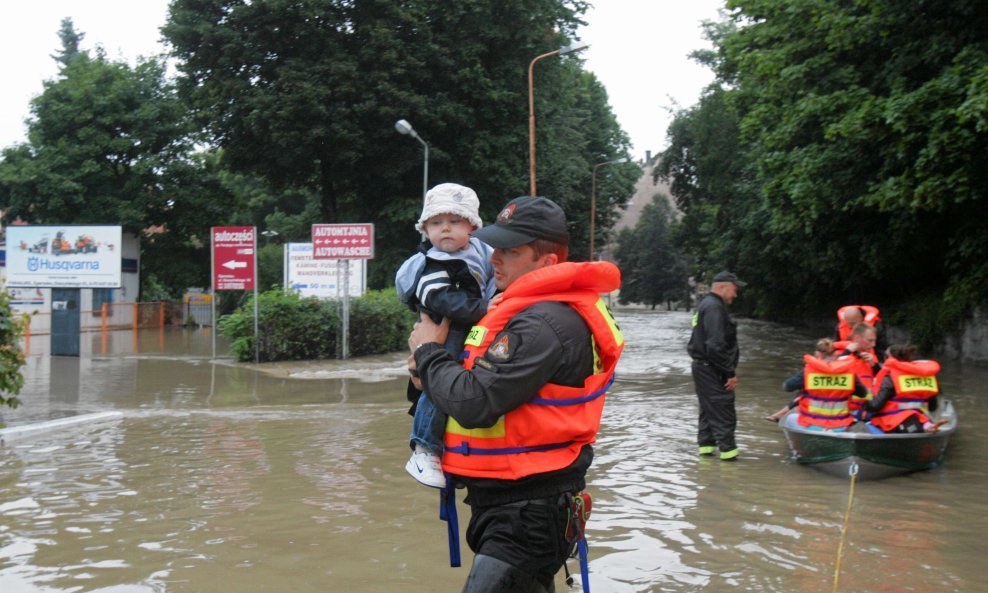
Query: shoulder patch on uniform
x=501, y=348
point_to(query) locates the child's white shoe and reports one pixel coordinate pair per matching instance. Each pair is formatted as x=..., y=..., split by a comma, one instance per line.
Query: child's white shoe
x=425, y=467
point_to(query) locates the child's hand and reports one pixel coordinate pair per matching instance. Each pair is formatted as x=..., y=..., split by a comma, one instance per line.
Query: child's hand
x=495, y=300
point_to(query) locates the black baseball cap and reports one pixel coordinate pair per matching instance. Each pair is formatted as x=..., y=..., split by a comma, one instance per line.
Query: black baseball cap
x=726, y=276
x=524, y=220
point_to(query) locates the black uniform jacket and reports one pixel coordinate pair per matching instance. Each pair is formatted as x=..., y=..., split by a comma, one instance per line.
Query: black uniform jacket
x=715, y=336
x=547, y=343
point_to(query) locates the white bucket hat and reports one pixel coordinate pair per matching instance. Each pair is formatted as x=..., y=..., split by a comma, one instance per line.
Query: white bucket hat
x=451, y=198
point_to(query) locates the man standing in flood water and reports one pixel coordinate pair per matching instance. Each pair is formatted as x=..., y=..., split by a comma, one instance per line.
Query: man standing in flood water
x=525, y=405
x=714, y=350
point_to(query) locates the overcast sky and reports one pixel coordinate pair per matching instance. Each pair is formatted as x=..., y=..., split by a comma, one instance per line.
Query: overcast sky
x=638, y=51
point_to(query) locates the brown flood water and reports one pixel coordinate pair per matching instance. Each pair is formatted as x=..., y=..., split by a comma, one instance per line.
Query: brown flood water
x=219, y=478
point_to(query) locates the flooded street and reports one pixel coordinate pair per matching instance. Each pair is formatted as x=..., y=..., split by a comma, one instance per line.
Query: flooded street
x=220, y=478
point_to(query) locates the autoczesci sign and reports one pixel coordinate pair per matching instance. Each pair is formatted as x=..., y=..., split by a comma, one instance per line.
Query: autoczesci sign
x=66, y=256
x=233, y=257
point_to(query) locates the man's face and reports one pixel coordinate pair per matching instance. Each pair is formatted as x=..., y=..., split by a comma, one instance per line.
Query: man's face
x=448, y=232
x=866, y=340
x=512, y=263
x=728, y=291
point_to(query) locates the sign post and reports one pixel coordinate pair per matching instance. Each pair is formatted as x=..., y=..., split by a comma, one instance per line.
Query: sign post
x=344, y=242
x=233, y=267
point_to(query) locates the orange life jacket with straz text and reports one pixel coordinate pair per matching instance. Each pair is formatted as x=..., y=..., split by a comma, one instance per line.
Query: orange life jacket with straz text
x=871, y=317
x=548, y=431
x=862, y=370
x=827, y=389
x=915, y=383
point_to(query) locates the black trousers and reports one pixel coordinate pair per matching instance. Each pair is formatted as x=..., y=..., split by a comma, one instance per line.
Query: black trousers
x=718, y=418
x=529, y=535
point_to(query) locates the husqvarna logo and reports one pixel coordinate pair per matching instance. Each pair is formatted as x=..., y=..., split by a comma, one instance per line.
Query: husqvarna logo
x=32, y=264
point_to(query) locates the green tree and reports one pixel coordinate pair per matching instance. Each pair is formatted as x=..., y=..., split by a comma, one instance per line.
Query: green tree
x=653, y=269
x=11, y=356
x=305, y=95
x=860, y=136
x=70, y=42
x=111, y=144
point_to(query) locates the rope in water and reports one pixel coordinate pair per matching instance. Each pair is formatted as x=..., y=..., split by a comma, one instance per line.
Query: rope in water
x=853, y=473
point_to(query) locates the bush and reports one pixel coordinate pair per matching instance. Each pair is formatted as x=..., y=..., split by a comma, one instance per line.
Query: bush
x=293, y=328
x=11, y=356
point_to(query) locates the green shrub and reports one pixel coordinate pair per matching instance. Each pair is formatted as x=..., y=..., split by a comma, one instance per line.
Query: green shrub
x=11, y=355
x=379, y=323
x=931, y=316
x=294, y=328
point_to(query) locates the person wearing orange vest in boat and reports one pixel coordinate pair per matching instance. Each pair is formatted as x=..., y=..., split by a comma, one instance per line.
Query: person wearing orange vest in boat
x=861, y=346
x=907, y=391
x=851, y=315
x=526, y=403
x=824, y=402
x=824, y=352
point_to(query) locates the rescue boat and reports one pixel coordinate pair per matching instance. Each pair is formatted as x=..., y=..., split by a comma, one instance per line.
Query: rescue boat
x=875, y=454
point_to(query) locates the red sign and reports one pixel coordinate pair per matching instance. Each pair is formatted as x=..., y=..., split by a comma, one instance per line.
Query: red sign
x=343, y=241
x=233, y=257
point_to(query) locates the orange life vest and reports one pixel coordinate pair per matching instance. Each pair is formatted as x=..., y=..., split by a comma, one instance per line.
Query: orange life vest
x=862, y=370
x=547, y=432
x=827, y=389
x=915, y=383
x=871, y=317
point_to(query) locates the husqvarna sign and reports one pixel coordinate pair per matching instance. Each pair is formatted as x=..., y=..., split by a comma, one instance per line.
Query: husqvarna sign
x=66, y=256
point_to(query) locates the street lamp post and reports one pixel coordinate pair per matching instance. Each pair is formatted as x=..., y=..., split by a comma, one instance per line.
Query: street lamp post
x=405, y=128
x=593, y=196
x=572, y=47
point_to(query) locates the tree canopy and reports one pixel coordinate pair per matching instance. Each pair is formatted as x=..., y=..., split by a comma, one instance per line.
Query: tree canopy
x=654, y=269
x=305, y=95
x=282, y=115
x=849, y=162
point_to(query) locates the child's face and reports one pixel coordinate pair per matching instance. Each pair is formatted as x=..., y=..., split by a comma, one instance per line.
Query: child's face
x=448, y=232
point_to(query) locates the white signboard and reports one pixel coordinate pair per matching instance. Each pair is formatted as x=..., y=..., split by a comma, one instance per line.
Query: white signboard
x=64, y=256
x=321, y=278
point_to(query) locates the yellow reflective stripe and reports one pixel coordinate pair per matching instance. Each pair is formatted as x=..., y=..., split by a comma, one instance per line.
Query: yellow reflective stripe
x=493, y=432
x=597, y=366
x=909, y=383
x=476, y=336
x=828, y=381
x=618, y=336
x=825, y=409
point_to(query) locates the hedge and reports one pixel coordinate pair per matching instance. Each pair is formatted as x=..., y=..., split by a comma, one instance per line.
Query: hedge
x=295, y=328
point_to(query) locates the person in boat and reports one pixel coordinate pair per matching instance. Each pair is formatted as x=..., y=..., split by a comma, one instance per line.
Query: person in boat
x=849, y=316
x=907, y=391
x=823, y=351
x=525, y=405
x=450, y=276
x=861, y=346
x=713, y=346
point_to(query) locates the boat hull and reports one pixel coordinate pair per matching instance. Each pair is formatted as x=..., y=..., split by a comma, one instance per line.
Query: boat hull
x=874, y=455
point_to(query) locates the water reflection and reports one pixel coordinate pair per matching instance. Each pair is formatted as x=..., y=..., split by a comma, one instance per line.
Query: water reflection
x=221, y=478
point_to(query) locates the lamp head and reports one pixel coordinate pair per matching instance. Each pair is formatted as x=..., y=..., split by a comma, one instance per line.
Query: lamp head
x=572, y=47
x=404, y=127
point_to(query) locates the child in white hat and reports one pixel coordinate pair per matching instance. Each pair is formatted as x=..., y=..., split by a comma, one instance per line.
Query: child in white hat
x=450, y=277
